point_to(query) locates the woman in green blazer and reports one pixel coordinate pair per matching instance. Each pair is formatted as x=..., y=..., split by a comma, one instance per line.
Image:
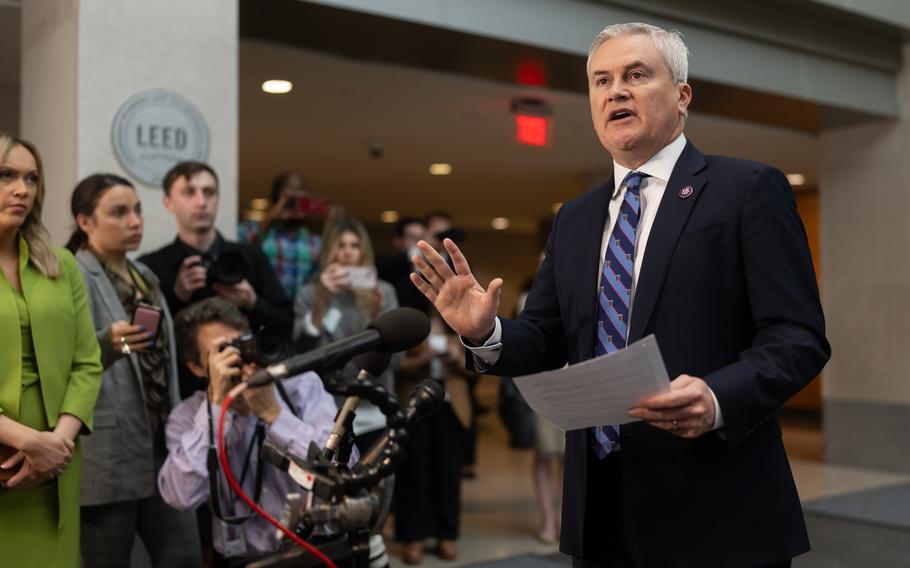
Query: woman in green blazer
x=50, y=373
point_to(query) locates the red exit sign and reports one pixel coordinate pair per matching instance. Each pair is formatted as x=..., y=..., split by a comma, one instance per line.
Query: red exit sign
x=532, y=130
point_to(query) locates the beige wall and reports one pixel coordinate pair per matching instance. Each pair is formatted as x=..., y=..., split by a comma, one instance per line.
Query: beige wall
x=84, y=59
x=865, y=229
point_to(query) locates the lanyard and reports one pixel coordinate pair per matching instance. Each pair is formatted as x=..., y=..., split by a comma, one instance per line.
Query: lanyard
x=212, y=463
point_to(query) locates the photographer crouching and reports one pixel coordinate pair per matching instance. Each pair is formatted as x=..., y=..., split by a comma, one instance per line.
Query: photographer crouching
x=213, y=339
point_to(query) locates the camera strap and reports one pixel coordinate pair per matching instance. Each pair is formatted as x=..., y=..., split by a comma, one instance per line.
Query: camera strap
x=212, y=465
x=287, y=400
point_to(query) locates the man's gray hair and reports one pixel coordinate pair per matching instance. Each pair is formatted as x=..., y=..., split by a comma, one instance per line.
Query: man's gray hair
x=669, y=43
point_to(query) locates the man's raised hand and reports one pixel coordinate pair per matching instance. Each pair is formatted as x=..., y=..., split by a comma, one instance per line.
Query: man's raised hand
x=461, y=301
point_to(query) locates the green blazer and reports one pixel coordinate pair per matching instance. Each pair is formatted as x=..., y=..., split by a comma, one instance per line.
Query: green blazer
x=69, y=359
x=66, y=350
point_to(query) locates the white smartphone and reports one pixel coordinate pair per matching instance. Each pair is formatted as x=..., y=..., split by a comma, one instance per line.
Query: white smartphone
x=362, y=277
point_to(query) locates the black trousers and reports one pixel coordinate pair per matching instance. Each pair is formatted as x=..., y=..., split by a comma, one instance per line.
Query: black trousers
x=604, y=489
x=604, y=483
x=427, y=500
x=582, y=563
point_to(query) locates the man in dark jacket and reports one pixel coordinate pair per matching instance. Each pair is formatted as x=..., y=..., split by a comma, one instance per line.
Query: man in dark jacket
x=191, y=195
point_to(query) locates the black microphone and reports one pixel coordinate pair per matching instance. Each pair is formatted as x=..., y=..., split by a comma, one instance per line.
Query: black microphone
x=393, y=331
x=371, y=364
x=426, y=398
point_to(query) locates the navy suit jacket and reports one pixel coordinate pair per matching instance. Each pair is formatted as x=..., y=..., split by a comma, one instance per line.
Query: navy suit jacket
x=728, y=288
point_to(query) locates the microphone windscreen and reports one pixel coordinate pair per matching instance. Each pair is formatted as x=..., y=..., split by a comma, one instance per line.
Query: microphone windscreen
x=373, y=362
x=401, y=329
x=432, y=389
x=425, y=399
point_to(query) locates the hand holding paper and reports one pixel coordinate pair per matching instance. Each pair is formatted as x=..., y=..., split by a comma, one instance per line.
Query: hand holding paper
x=687, y=410
x=598, y=391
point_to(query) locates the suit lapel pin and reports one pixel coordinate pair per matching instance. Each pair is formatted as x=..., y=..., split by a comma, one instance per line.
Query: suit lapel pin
x=686, y=192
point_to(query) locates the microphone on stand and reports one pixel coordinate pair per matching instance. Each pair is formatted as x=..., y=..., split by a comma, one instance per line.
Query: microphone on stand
x=371, y=365
x=393, y=331
x=426, y=398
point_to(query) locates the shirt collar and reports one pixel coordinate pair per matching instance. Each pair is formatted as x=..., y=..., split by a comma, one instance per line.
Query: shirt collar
x=213, y=252
x=660, y=165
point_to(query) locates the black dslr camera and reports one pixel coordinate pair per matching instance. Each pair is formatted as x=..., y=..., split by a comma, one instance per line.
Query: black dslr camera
x=266, y=347
x=228, y=269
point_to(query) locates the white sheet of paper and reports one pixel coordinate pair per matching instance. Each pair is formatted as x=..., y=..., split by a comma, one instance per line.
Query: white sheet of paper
x=598, y=391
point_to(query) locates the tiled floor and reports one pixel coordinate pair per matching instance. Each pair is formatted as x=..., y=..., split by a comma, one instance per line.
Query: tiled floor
x=499, y=514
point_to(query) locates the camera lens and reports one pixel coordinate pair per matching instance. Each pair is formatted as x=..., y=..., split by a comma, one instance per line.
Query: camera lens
x=273, y=344
x=228, y=269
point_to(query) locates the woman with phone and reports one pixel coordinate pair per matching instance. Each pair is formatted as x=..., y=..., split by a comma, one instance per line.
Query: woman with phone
x=342, y=301
x=133, y=327
x=49, y=374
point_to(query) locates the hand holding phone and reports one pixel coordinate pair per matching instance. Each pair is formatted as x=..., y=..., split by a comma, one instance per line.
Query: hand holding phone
x=362, y=277
x=141, y=333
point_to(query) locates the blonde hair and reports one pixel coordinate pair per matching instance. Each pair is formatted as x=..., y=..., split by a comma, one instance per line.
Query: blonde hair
x=333, y=235
x=330, y=242
x=40, y=252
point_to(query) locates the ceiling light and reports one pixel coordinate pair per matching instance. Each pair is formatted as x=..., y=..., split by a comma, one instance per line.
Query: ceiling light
x=277, y=86
x=389, y=216
x=500, y=223
x=796, y=179
x=555, y=207
x=260, y=204
x=440, y=169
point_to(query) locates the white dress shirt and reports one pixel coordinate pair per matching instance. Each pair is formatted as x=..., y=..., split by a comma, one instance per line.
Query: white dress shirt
x=658, y=168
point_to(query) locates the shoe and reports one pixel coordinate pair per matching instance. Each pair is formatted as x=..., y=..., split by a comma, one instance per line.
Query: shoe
x=413, y=553
x=447, y=550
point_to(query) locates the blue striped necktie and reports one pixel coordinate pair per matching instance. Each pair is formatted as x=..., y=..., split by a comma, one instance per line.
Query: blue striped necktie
x=615, y=293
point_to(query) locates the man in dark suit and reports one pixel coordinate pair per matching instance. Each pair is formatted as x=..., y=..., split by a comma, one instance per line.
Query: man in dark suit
x=707, y=253
x=191, y=195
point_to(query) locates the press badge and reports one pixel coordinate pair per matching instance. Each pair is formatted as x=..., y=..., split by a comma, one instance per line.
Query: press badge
x=331, y=319
x=232, y=539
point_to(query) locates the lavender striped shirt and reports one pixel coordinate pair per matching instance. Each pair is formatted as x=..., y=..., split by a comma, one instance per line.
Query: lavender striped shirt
x=183, y=480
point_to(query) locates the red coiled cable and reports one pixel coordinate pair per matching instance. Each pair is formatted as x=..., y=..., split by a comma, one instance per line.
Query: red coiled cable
x=226, y=466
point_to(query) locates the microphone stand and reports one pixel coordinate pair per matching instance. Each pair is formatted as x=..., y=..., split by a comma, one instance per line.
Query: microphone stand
x=345, y=498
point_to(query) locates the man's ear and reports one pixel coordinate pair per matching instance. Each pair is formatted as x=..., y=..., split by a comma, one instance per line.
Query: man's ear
x=685, y=98
x=196, y=369
x=166, y=201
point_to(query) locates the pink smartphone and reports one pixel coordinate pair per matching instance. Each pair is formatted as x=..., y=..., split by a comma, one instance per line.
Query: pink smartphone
x=148, y=316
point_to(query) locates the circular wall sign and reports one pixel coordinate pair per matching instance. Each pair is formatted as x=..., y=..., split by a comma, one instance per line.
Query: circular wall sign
x=154, y=130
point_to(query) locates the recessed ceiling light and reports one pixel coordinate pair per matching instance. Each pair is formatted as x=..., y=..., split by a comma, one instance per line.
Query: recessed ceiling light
x=260, y=204
x=389, y=216
x=555, y=207
x=500, y=223
x=277, y=86
x=440, y=169
x=796, y=179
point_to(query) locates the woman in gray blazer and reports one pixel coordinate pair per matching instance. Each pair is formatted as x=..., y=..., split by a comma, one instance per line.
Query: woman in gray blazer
x=120, y=497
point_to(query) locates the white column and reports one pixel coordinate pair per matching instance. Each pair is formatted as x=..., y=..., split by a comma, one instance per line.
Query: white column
x=865, y=240
x=81, y=59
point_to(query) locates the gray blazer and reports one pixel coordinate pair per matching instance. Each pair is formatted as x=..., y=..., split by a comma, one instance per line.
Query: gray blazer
x=348, y=325
x=119, y=462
